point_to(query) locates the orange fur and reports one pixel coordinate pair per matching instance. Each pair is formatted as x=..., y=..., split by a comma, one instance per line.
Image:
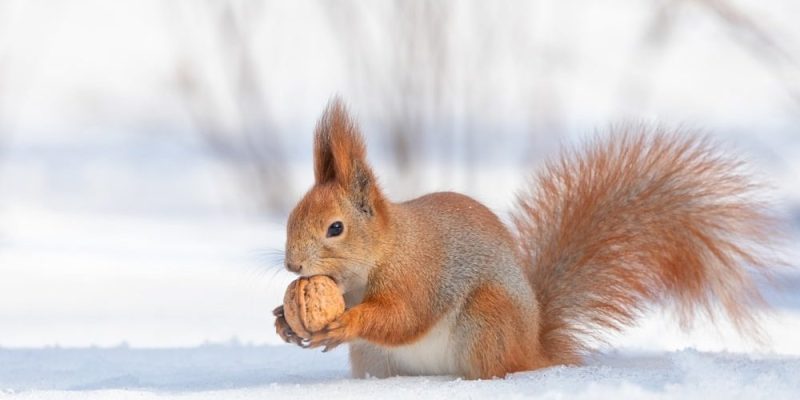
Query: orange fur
x=635, y=219
x=439, y=285
x=340, y=156
x=504, y=345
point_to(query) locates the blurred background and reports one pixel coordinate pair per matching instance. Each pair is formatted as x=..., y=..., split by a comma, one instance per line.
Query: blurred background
x=150, y=151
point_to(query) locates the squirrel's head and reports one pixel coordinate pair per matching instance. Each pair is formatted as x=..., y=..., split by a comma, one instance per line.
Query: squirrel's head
x=336, y=229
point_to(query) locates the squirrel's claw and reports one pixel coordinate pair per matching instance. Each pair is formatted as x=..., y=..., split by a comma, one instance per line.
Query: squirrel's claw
x=330, y=337
x=282, y=328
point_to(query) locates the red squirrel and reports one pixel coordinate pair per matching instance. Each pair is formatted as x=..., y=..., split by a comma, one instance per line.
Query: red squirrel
x=439, y=285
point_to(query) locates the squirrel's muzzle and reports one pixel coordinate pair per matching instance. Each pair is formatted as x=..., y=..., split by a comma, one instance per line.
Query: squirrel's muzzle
x=293, y=267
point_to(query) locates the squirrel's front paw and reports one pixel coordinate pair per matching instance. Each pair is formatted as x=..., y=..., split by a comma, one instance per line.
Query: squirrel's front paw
x=282, y=328
x=334, y=334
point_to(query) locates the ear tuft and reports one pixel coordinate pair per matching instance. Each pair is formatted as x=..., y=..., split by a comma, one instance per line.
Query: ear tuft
x=337, y=143
x=340, y=157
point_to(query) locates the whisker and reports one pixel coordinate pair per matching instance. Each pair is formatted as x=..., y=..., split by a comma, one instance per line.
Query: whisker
x=271, y=257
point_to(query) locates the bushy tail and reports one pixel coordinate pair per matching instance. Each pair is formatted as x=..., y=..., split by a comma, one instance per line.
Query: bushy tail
x=640, y=218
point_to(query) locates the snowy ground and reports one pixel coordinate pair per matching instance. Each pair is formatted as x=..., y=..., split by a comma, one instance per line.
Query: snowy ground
x=278, y=372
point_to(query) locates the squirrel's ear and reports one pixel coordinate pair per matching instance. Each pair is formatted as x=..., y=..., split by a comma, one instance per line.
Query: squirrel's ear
x=340, y=157
x=337, y=145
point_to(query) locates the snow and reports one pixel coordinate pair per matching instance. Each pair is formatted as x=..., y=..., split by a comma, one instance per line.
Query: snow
x=234, y=371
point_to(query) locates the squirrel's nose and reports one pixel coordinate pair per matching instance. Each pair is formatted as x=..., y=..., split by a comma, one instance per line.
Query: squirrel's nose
x=293, y=267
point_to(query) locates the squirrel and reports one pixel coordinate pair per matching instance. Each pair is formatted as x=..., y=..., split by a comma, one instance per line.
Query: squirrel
x=438, y=285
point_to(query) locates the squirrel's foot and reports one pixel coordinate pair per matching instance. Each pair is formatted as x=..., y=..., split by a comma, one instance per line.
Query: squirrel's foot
x=336, y=333
x=282, y=328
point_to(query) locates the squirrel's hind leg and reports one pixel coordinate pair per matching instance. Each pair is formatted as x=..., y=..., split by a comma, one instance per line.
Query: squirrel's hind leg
x=369, y=360
x=498, y=338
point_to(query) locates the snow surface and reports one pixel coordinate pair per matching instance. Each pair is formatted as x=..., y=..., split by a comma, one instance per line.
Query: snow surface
x=282, y=372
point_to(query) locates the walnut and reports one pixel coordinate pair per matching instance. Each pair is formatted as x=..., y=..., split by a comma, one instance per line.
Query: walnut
x=311, y=303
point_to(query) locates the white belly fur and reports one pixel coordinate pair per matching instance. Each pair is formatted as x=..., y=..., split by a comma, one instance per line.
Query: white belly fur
x=433, y=354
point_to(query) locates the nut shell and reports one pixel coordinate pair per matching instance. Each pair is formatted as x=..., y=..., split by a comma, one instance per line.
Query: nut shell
x=311, y=303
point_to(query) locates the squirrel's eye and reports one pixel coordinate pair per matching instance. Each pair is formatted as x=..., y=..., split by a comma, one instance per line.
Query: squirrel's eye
x=335, y=229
